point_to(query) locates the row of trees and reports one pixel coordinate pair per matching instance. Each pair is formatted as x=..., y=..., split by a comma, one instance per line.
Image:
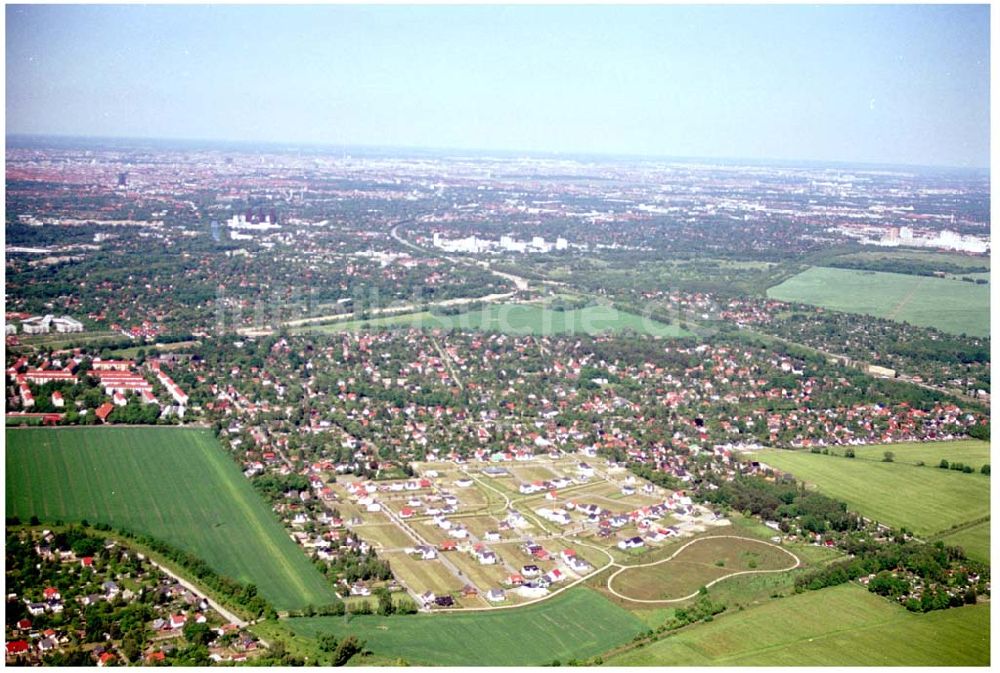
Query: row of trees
x=237, y=593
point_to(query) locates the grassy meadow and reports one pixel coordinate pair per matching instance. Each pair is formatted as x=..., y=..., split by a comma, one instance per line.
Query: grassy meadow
x=515, y=319
x=839, y=626
x=578, y=623
x=948, y=304
x=174, y=484
x=974, y=540
x=923, y=499
x=966, y=451
x=697, y=565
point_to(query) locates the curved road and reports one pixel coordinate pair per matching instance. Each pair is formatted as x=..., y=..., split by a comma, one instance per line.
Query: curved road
x=798, y=562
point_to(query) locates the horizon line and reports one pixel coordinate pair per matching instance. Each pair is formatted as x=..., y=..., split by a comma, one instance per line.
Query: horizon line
x=578, y=154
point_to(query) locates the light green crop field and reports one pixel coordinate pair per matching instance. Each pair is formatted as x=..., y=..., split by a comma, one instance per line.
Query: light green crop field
x=925, y=500
x=839, y=626
x=950, y=305
x=518, y=319
x=967, y=451
x=174, y=484
x=925, y=256
x=974, y=540
x=578, y=623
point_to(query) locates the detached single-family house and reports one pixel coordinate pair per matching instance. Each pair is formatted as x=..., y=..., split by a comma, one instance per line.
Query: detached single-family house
x=555, y=575
x=631, y=543
x=496, y=595
x=486, y=557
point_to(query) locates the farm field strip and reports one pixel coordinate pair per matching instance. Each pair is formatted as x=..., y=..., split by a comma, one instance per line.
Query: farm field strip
x=975, y=540
x=967, y=451
x=198, y=501
x=579, y=623
x=844, y=625
x=925, y=499
x=950, y=305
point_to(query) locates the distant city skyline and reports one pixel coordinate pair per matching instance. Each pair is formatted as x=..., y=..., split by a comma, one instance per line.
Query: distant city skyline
x=900, y=84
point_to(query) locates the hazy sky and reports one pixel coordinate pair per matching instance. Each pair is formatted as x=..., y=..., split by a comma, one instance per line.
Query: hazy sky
x=885, y=84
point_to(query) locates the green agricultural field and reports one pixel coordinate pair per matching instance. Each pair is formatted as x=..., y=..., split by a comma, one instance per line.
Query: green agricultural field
x=517, y=319
x=950, y=305
x=174, y=484
x=975, y=540
x=968, y=452
x=923, y=499
x=923, y=256
x=839, y=626
x=578, y=623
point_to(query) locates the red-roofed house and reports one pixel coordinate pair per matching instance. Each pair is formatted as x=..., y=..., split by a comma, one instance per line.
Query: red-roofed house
x=57, y=399
x=105, y=658
x=17, y=647
x=104, y=411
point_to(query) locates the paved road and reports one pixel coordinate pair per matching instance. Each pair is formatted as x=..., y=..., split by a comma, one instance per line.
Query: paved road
x=191, y=587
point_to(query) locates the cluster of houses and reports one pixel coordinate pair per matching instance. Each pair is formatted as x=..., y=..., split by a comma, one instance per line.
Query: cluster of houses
x=43, y=324
x=35, y=635
x=118, y=379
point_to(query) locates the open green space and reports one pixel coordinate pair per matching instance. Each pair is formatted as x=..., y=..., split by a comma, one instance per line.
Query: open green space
x=945, y=303
x=975, y=540
x=175, y=484
x=517, y=319
x=23, y=420
x=708, y=559
x=922, y=499
x=972, y=452
x=922, y=256
x=578, y=623
x=839, y=626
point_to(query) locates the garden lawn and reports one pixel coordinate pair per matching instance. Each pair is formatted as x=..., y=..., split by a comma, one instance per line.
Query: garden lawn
x=945, y=303
x=578, y=623
x=174, y=484
x=838, y=626
x=925, y=500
